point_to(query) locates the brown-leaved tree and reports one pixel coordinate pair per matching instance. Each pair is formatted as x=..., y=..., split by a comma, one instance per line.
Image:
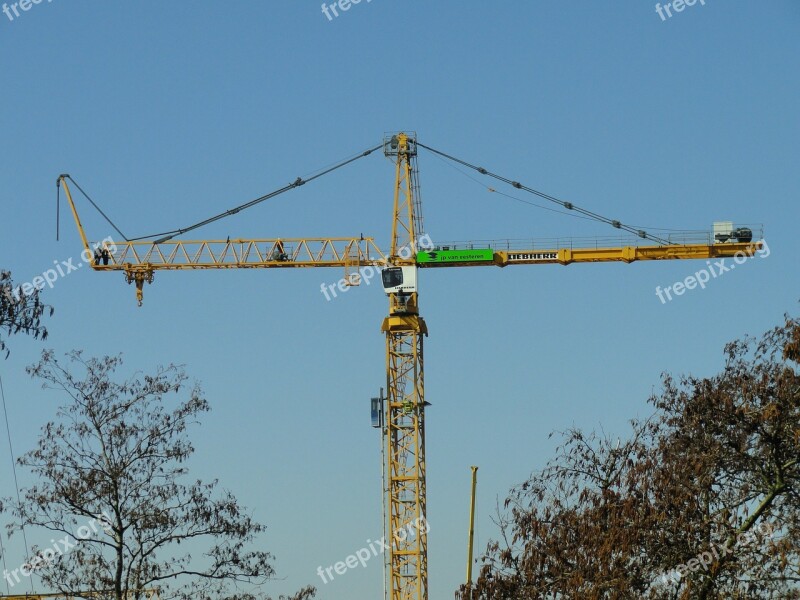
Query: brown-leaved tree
x=701, y=502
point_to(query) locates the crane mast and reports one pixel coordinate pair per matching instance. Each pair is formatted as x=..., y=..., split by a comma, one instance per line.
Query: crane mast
x=405, y=403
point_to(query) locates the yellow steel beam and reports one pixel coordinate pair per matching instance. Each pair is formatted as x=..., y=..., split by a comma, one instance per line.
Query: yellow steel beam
x=626, y=254
x=406, y=493
x=406, y=466
x=352, y=253
x=403, y=226
x=242, y=254
x=62, y=181
x=140, y=260
x=471, y=539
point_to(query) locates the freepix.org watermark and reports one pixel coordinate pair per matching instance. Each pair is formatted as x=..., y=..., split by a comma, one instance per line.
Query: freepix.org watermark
x=705, y=559
x=22, y=5
x=102, y=253
x=713, y=270
x=666, y=11
x=60, y=547
x=373, y=549
x=366, y=274
x=340, y=5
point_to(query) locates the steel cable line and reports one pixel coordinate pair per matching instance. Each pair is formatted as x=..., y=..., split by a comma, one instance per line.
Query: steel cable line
x=568, y=205
x=58, y=204
x=14, y=471
x=297, y=183
x=168, y=235
x=509, y=196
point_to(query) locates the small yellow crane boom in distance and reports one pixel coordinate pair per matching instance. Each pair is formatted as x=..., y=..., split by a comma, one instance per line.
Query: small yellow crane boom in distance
x=471, y=524
x=403, y=423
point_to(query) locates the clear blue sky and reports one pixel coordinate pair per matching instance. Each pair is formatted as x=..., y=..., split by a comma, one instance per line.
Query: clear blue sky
x=169, y=112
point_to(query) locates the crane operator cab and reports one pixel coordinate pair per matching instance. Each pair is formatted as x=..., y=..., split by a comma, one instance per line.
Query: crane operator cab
x=400, y=282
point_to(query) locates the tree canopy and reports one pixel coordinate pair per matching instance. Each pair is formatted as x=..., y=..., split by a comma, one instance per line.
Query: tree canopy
x=20, y=312
x=700, y=502
x=113, y=483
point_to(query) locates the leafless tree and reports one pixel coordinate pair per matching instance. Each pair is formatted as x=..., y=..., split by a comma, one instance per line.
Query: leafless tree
x=113, y=484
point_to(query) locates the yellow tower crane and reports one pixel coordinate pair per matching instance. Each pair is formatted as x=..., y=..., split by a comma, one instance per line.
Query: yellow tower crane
x=403, y=422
